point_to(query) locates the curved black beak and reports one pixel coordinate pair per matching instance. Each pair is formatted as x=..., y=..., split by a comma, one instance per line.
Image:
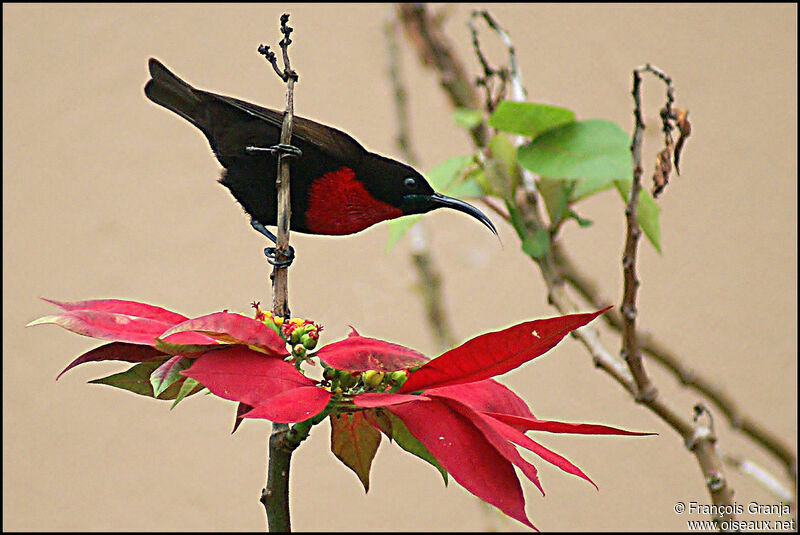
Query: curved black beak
x=443, y=201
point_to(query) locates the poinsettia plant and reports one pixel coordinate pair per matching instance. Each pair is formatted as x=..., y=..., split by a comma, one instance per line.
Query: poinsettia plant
x=447, y=411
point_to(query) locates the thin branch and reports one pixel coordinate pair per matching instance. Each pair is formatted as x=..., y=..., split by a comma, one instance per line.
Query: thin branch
x=490, y=204
x=761, y=476
x=487, y=80
x=425, y=34
x=630, y=349
x=275, y=496
x=280, y=274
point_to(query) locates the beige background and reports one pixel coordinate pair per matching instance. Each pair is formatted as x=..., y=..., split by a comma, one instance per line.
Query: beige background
x=107, y=195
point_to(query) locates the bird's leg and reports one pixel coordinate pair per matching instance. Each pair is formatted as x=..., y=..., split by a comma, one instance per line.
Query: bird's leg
x=289, y=151
x=271, y=252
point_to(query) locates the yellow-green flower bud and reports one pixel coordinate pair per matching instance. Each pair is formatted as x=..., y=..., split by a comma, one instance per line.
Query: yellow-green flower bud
x=372, y=378
x=398, y=377
x=308, y=342
x=330, y=374
x=347, y=380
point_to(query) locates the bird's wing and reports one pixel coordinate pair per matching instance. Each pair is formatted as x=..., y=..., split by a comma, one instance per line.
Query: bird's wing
x=327, y=139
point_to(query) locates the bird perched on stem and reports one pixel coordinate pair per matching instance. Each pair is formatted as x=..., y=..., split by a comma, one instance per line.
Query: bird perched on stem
x=338, y=187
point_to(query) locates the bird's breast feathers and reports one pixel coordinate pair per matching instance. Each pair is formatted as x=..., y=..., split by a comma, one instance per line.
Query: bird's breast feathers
x=339, y=204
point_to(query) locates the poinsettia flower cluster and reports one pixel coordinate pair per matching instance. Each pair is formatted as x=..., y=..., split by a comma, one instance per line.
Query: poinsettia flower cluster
x=448, y=410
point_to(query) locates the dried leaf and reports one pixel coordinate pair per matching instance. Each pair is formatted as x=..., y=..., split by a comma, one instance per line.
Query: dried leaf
x=685, y=127
x=661, y=174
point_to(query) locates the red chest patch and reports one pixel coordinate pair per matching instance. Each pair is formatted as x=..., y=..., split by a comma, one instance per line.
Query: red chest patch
x=338, y=204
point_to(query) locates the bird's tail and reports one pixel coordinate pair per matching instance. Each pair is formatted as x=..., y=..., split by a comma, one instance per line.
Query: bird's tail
x=166, y=89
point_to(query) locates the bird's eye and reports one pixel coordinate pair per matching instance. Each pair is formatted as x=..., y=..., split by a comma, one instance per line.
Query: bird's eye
x=411, y=183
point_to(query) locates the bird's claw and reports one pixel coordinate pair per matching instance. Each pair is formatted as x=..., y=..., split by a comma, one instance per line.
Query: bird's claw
x=271, y=252
x=282, y=149
x=286, y=150
x=272, y=257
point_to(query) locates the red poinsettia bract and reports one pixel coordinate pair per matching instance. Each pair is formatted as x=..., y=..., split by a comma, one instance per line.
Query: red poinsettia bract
x=447, y=410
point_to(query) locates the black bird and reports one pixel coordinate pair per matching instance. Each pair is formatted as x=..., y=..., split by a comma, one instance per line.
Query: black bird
x=337, y=186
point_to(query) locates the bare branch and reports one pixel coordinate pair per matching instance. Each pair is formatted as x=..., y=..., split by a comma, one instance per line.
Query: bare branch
x=275, y=496
x=630, y=349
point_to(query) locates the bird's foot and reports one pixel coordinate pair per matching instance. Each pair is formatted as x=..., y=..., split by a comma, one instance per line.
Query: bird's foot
x=287, y=150
x=272, y=253
x=272, y=257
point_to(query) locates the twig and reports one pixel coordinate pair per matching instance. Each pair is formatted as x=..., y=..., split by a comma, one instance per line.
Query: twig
x=760, y=476
x=275, y=496
x=280, y=274
x=496, y=209
x=493, y=97
x=429, y=43
x=425, y=34
x=630, y=349
x=428, y=278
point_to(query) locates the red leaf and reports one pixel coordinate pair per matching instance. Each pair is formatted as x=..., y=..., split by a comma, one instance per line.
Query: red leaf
x=486, y=396
x=241, y=374
x=358, y=353
x=108, y=325
x=372, y=400
x=117, y=351
x=293, y=405
x=532, y=424
x=495, y=353
x=505, y=448
x=236, y=329
x=119, y=306
x=241, y=410
x=463, y=450
x=380, y=420
x=354, y=442
x=517, y=437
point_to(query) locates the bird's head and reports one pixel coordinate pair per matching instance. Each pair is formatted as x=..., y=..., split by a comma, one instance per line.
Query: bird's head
x=401, y=186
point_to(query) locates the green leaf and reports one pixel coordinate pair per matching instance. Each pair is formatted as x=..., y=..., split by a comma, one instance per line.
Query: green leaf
x=528, y=119
x=398, y=227
x=190, y=386
x=556, y=197
x=589, y=186
x=169, y=372
x=354, y=442
x=583, y=223
x=536, y=246
x=646, y=213
x=505, y=153
x=183, y=349
x=467, y=118
x=406, y=440
x=137, y=380
x=444, y=178
x=595, y=152
x=467, y=187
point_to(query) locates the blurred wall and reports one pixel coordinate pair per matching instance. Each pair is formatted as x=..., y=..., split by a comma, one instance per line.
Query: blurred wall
x=107, y=195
